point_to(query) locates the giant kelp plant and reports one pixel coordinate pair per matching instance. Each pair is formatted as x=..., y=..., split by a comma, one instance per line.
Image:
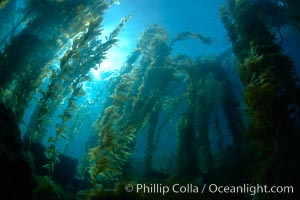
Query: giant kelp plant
x=162, y=117
x=271, y=93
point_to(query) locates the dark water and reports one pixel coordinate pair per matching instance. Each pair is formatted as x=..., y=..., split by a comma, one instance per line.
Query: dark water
x=150, y=99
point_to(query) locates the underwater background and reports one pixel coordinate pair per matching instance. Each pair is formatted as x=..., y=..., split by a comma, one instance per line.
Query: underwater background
x=140, y=99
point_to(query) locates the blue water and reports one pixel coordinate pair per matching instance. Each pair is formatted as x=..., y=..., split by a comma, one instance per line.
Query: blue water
x=189, y=96
x=175, y=16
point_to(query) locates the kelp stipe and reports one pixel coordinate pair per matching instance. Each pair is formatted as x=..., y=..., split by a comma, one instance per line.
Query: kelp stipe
x=72, y=67
x=35, y=54
x=36, y=68
x=207, y=83
x=120, y=142
x=162, y=118
x=271, y=93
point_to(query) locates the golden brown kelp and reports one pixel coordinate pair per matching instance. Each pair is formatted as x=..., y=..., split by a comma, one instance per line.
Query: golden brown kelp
x=187, y=35
x=187, y=165
x=16, y=72
x=106, y=159
x=152, y=91
x=80, y=117
x=207, y=86
x=93, y=138
x=86, y=51
x=151, y=144
x=219, y=67
x=110, y=86
x=48, y=189
x=193, y=133
x=77, y=90
x=187, y=155
x=35, y=47
x=133, y=99
x=271, y=93
x=206, y=99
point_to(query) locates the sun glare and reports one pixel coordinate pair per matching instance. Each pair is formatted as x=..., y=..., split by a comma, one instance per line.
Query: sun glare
x=115, y=58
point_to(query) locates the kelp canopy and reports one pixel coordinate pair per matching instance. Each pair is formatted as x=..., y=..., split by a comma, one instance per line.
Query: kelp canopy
x=163, y=117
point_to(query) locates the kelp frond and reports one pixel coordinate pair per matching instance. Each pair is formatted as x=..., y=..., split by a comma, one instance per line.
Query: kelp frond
x=187, y=35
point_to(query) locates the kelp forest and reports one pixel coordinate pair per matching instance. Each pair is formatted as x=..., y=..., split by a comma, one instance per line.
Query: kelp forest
x=163, y=120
